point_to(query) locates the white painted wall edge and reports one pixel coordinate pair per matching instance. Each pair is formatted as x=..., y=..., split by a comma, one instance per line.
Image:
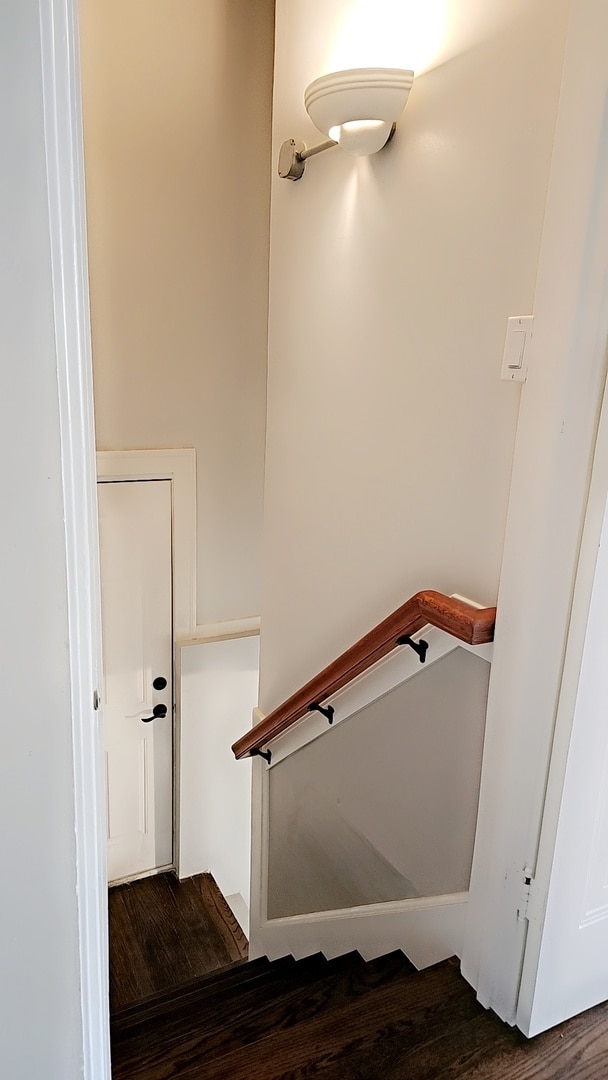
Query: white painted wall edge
x=65, y=175
x=240, y=910
x=217, y=682
x=177, y=759
x=553, y=455
x=223, y=631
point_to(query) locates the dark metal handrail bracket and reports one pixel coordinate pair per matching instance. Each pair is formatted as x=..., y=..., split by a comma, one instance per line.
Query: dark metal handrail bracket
x=327, y=712
x=420, y=647
x=470, y=624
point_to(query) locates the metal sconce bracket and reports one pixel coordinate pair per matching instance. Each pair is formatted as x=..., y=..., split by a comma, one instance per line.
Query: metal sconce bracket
x=294, y=155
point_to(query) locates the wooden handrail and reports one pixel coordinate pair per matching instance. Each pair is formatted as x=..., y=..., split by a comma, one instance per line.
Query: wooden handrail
x=470, y=624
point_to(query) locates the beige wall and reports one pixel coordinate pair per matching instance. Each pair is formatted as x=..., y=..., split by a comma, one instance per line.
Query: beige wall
x=177, y=104
x=390, y=435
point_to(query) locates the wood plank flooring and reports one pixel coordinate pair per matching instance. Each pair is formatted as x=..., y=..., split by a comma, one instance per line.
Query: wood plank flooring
x=165, y=932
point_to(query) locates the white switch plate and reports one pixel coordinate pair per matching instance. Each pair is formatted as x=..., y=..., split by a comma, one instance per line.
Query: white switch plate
x=515, y=360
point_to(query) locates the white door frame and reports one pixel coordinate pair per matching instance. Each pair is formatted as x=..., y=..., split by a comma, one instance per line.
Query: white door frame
x=60, y=73
x=178, y=466
x=554, y=450
x=567, y=890
x=552, y=461
x=160, y=801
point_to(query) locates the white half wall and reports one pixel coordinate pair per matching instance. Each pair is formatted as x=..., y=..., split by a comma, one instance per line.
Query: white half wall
x=218, y=686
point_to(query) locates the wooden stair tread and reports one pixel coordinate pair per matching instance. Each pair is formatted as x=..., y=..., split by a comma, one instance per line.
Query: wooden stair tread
x=153, y=1004
x=347, y=1020
x=412, y=1012
x=314, y=992
x=210, y=1000
x=261, y=976
x=165, y=932
x=238, y=974
x=240, y=1016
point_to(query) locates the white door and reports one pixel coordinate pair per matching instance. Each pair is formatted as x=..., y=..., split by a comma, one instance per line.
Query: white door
x=136, y=603
x=565, y=964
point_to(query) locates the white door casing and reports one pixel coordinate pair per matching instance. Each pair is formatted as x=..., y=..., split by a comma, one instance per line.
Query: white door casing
x=135, y=546
x=60, y=79
x=554, y=450
x=564, y=968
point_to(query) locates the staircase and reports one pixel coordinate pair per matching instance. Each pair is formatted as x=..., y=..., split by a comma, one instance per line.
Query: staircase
x=365, y=789
x=341, y=1018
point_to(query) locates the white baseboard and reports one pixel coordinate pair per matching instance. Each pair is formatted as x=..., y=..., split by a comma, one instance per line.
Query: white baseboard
x=239, y=909
x=221, y=631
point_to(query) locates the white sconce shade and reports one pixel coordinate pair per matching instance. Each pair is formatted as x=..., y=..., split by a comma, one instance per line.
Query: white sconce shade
x=362, y=137
x=358, y=108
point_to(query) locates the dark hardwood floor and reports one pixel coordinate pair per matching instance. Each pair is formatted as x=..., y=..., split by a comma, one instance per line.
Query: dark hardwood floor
x=165, y=932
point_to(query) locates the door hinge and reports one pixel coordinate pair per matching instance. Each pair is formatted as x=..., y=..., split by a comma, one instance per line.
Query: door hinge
x=527, y=881
x=95, y=700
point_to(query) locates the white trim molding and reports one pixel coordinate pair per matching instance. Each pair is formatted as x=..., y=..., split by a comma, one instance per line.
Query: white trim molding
x=179, y=466
x=67, y=222
x=224, y=631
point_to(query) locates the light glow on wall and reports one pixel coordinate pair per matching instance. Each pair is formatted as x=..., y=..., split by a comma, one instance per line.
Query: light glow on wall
x=391, y=33
x=416, y=34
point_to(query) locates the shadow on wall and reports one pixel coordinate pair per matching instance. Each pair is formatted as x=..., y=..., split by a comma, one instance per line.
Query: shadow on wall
x=384, y=806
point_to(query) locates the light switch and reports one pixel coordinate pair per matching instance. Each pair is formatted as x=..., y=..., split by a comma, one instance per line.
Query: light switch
x=514, y=361
x=516, y=343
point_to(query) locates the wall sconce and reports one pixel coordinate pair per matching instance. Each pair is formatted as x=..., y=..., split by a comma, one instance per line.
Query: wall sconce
x=357, y=109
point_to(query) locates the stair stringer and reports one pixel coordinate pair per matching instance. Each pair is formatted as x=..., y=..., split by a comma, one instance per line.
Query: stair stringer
x=427, y=929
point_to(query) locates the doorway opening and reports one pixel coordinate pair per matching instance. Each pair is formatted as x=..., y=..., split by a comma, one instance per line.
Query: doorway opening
x=148, y=524
x=137, y=642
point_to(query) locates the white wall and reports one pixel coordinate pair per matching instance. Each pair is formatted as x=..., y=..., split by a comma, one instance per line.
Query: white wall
x=390, y=436
x=218, y=690
x=177, y=104
x=40, y=1023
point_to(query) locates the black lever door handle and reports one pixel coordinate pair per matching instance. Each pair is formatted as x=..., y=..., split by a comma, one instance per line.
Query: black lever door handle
x=157, y=711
